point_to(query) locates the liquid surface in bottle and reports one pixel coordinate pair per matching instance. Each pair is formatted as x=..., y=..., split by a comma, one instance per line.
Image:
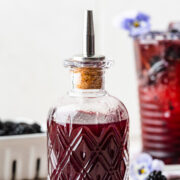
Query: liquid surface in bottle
x=158, y=66
x=88, y=151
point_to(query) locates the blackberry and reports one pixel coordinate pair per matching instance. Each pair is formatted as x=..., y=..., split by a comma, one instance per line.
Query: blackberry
x=12, y=128
x=154, y=60
x=2, y=132
x=172, y=53
x=171, y=107
x=9, y=127
x=1, y=125
x=23, y=128
x=158, y=67
x=174, y=31
x=36, y=127
x=156, y=175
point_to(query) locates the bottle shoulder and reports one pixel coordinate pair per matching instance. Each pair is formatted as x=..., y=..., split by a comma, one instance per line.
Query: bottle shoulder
x=102, y=109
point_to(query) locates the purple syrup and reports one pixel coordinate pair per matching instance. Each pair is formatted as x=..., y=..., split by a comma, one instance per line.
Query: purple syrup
x=88, y=151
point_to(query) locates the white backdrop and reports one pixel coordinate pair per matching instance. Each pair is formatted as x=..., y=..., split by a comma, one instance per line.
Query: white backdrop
x=37, y=35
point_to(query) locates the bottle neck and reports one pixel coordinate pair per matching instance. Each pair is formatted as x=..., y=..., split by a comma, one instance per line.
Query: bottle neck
x=87, y=82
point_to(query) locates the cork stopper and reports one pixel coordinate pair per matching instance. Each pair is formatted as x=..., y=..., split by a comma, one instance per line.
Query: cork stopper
x=88, y=78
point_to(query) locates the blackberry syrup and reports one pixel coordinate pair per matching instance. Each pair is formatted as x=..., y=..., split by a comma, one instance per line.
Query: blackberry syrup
x=88, y=151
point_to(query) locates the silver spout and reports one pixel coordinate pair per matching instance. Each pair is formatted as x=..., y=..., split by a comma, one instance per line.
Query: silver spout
x=88, y=55
x=88, y=41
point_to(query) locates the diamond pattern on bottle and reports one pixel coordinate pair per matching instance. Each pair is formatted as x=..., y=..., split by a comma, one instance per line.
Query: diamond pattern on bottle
x=81, y=154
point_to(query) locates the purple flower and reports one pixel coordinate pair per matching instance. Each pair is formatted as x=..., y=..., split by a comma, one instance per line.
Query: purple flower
x=142, y=17
x=127, y=23
x=143, y=166
x=137, y=25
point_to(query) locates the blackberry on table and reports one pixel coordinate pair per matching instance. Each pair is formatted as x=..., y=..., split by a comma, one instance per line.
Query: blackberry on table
x=156, y=175
x=8, y=128
x=23, y=128
x=2, y=132
x=36, y=127
x=1, y=125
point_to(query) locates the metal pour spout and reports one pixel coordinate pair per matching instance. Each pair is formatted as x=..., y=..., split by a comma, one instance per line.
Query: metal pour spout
x=88, y=56
x=89, y=39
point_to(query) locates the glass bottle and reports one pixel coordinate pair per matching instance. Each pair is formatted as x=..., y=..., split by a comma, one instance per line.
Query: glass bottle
x=88, y=132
